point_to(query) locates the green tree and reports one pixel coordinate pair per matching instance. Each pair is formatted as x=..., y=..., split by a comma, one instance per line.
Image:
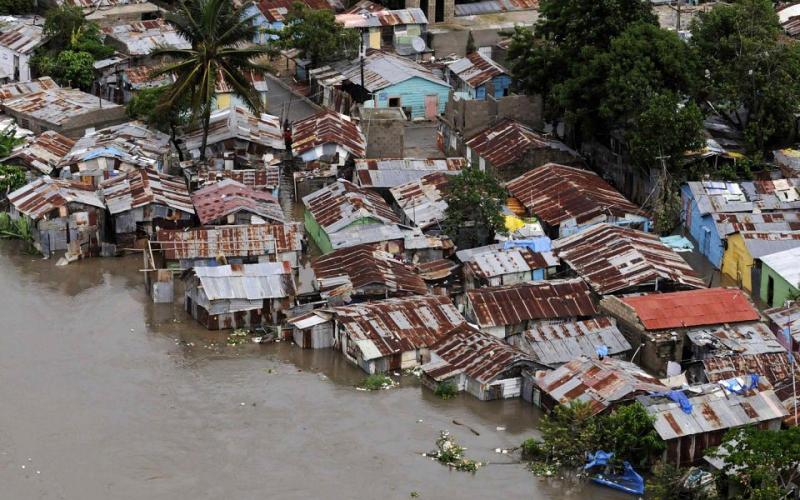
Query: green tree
x=75, y=69
x=317, y=35
x=764, y=462
x=751, y=76
x=218, y=33
x=68, y=29
x=474, y=208
x=9, y=140
x=628, y=431
x=11, y=178
x=146, y=106
x=14, y=7
x=568, y=432
x=664, y=484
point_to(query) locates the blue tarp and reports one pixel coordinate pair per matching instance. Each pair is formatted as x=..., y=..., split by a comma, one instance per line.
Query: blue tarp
x=629, y=481
x=601, y=350
x=733, y=384
x=105, y=151
x=677, y=396
x=540, y=244
x=678, y=243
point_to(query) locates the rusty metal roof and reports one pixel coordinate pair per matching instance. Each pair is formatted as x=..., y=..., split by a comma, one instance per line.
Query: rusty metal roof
x=761, y=244
x=57, y=105
x=379, y=18
x=512, y=261
x=539, y=300
x=328, y=127
x=384, y=69
x=389, y=173
x=145, y=186
x=613, y=259
x=737, y=339
x=262, y=179
x=277, y=10
x=422, y=200
x=43, y=195
x=356, y=268
x=44, y=152
x=16, y=89
x=230, y=241
x=492, y=6
x=713, y=410
x=141, y=37
x=507, y=141
x=238, y=123
x=749, y=196
x=476, y=69
x=686, y=309
x=552, y=344
x=246, y=282
x=140, y=77
x=132, y=143
x=556, y=193
x=598, y=383
x=338, y=205
x=228, y=197
x=19, y=35
x=479, y=356
x=436, y=269
x=729, y=223
x=393, y=326
x=773, y=366
x=786, y=317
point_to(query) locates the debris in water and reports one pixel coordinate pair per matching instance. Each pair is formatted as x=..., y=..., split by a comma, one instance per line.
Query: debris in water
x=376, y=382
x=501, y=428
x=468, y=427
x=238, y=337
x=448, y=452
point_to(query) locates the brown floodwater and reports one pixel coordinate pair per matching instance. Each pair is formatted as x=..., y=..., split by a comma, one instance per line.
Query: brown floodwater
x=105, y=395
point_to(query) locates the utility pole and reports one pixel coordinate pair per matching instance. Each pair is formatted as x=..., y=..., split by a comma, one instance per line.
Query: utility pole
x=361, y=62
x=678, y=19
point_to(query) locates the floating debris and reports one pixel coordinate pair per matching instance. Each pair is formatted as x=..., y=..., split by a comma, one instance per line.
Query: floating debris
x=376, y=382
x=238, y=337
x=450, y=453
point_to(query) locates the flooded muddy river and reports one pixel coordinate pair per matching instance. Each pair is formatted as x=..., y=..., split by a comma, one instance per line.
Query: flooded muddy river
x=107, y=396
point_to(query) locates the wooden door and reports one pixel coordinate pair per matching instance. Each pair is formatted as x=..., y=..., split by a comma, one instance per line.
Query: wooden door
x=431, y=106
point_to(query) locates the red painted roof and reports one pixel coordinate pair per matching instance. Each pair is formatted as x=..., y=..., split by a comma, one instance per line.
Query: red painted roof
x=707, y=306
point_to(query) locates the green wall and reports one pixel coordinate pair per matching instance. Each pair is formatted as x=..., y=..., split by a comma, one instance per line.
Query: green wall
x=782, y=290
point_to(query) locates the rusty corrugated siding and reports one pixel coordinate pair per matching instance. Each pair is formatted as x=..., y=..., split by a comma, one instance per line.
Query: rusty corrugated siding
x=328, y=127
x=229, y=197
x=230, y=241
x=365, y=266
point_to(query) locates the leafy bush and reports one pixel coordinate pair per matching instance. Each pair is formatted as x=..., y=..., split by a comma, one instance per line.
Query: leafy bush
x=450, y=453
x=11, y=178
x=376, y=382
x=14, y=7
x=446, y=390
x=532, y=449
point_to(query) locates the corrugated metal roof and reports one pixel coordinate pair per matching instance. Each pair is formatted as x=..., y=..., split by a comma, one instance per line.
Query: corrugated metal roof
x=552, y=344
x=328, y=127
x=722, y=196
x=44, y=195
x=512, y=261
x=16, y=89
x=786, y=264
x=379, y=18
x=772, y=366
x=228, y=197
x=268, y=280
x=338, y=205
x=56, y=105
x=598, y=383
x=364, y=266
x=786, y=317
x=230, y=241
x=738, y=339
x=422, y=200
x=476, y=69
x=238, y=123
x=140, y=77
x=383, y=69
x=539, y=300
x=556, y=193
x=132, y=143
x=436, y=269
x=714, y=410
x=263, y=179
x=613, y=259
x=708, y=306
x=145, y=186
x=20, y=35
x=492, y=6
x=508, y=140
x=393, y=326
x=276, y=10
x=44, y=152
x=479, y=356
x=761, y=244
x=141, y=37
x=729, y=223
x=360, y=234
x=389, y=173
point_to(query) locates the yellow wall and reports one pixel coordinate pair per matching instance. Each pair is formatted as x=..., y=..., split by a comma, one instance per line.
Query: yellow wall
x=374, y=38
x=737, y=262
x=223, y=101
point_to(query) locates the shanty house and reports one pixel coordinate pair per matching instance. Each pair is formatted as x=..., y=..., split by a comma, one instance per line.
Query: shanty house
x=614, y=260
x=421, y=202
x=108, y=12
x=239, y=295
x=270, y=15
x=388, y=29
x=780, y=277
x=18, y=39
x=603, y=384
x=496, y=267
x=363, y=273
x=263, y=179
x=712, y=210
x=568, y=199
x=237, y=139
x=741, y=261
x=477, y=363
x=138, y=39
x=143, y=199
x=327, y=136
x=67, y=111
x=392, y=81
x=553, y=344
x=713, y=410
x=506, y=310
x=120, y=148
x=232, y=203
x=658, y=321
x=477, y=76
x=43, y=154
x=784, y=322
x=345, y=208
x=508, y=149
x=67, y=216
x=384, y=174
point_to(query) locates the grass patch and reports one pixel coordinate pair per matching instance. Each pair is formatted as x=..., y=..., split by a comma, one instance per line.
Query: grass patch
x=376, y=382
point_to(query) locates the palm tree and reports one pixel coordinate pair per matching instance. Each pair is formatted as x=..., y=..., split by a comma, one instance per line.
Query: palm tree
x=221, y=36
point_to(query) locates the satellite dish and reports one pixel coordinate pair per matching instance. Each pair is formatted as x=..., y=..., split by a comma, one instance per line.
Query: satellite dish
x=418, y=44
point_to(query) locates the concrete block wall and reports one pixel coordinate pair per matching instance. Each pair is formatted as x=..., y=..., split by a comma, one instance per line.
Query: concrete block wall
x=385, y=138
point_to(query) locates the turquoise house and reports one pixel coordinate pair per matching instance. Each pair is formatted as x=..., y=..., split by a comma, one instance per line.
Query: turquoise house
x=478, y=76
x=392, y=81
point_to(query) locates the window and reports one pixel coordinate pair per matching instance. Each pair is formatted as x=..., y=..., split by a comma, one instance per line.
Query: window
x=394, y=102
x=770, y=290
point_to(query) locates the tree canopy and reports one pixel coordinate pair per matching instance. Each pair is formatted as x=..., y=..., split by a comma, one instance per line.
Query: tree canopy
x=474, y=207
